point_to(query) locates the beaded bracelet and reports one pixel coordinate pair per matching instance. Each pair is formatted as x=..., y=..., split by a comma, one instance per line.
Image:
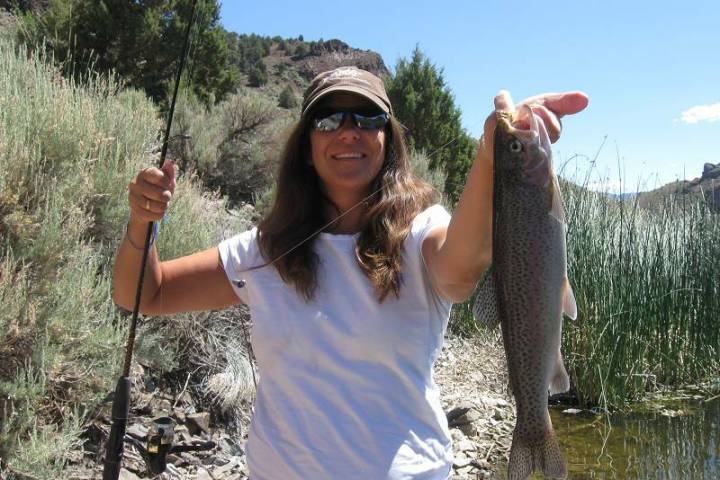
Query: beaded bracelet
x=155, y=231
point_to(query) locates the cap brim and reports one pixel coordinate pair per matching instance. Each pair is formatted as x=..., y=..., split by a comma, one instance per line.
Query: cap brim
x=350, y=89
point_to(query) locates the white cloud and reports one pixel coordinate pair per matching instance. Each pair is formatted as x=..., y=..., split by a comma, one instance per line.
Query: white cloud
x=701, y=113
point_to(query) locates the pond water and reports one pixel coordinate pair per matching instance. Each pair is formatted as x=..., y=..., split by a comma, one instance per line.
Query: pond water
x=678, y=441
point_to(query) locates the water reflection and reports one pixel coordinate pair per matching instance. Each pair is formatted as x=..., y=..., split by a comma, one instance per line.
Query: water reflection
x=681, y=442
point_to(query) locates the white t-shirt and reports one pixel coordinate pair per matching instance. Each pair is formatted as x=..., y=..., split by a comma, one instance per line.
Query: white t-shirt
x=346, y=387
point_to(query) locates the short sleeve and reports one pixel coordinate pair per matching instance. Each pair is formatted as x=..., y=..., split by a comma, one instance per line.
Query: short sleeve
x=237, y=253
x=430, y=219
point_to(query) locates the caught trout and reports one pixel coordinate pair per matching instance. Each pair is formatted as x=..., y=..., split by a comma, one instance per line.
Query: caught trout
x=527, y=291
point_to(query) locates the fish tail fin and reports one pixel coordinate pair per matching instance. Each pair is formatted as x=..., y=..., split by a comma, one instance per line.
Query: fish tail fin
x=560, y=382
x=543, y=456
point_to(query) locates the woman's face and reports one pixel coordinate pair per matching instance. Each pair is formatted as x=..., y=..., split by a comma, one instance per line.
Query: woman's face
x=348, y=159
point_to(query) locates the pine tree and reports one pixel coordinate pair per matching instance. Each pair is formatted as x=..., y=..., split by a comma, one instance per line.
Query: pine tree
x=142, y=41
x=425, y=105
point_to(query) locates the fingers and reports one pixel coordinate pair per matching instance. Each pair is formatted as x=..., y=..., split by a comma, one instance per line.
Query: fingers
x=551, y=121
x=503, y=101
x=550, y=107
x=150, y=192
x=168, y=169
x=560, y=104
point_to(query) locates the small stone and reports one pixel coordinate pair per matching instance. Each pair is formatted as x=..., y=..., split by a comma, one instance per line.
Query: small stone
x=457, y=435
x=198, y=422
x=461, y=460
x=498, y=414
x=137, y=430
x=466, y=445
x=127, y=475
x=203, y=474
x=221, y=471
x=150, y=385
x=469, y=429
x=465, y=471
x=572, y=411
x=164, y=405
x=227, y=444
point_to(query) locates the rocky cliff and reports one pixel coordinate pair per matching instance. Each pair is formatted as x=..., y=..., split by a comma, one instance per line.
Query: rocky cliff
x=704, y=188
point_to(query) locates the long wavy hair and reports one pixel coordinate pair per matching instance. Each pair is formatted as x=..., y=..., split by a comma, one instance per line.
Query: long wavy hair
x=286, y=233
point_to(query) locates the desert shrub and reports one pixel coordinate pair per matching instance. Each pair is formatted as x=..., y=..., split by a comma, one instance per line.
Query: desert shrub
x=229, y=145
x=288, y=99
x=67, y=152
x=302, y=50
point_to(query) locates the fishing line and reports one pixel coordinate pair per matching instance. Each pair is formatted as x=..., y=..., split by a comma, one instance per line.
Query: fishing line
x=240, y=283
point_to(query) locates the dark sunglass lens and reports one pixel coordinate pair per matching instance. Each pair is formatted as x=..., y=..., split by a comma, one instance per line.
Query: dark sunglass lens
x=329, y=122
x=374, y=122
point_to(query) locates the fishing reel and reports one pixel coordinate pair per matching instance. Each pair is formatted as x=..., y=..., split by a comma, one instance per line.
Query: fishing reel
x=159, y=442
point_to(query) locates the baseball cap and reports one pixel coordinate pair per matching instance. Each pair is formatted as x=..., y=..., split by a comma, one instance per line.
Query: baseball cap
x=347, y=79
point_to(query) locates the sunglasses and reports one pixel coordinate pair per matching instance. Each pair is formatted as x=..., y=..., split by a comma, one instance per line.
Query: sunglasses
x=331, y=120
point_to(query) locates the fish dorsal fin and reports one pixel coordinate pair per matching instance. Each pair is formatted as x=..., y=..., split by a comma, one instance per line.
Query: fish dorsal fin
x=569, y=304
x=485, y=307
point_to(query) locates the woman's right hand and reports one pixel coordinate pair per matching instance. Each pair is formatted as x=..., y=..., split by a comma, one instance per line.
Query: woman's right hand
x=150, y=192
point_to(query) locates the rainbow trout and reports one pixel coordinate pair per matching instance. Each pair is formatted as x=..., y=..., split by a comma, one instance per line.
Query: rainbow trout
x=527, y=291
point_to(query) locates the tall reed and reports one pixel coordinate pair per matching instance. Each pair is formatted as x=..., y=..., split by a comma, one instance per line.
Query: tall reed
x=647, y=284
x=648, y=296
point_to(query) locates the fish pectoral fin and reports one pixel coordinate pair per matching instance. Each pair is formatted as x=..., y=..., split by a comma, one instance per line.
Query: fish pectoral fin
x=560, y=382
x=485, y=307
x=569, y=305
x=557, y=210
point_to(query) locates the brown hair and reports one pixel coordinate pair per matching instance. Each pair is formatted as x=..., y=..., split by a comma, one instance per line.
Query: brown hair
x=297, y=213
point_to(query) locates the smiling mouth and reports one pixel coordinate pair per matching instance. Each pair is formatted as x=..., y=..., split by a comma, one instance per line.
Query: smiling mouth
x=349, y=156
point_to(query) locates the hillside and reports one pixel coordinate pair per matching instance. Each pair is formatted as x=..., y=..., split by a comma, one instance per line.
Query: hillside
x=293, y=63
x=704, y=188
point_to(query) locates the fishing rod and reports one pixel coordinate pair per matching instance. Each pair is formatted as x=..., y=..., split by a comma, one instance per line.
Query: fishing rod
x=160, y=438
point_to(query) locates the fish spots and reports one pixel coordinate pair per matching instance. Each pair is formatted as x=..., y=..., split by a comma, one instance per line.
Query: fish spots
x=529, y=265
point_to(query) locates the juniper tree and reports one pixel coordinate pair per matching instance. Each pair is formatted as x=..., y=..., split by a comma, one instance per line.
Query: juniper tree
x=426, y=106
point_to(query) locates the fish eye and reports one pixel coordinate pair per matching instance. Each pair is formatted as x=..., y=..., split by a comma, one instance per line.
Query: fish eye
x=515, y=146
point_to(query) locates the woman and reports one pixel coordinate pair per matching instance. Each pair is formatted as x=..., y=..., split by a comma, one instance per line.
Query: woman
x=346, y=323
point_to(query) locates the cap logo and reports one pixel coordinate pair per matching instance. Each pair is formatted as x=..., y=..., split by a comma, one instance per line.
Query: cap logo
x=345, y=73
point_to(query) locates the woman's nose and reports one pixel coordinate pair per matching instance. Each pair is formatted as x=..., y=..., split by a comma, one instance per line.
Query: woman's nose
x=348, y=128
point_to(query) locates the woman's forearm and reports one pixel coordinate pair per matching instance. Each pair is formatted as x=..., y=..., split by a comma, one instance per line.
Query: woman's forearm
x=467, y=250
x=126, y=272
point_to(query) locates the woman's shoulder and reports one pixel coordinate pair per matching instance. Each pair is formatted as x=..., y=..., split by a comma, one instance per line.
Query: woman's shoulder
x=242, y=246
x=433, y=216
x=243, y=239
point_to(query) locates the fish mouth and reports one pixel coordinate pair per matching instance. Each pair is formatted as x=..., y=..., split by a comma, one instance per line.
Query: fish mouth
x=520, y=123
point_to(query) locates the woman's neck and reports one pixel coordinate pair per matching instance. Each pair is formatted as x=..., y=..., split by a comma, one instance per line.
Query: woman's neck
x=350, y=217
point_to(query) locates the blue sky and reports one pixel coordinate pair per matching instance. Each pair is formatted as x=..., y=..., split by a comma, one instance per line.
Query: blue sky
x=651, y=69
